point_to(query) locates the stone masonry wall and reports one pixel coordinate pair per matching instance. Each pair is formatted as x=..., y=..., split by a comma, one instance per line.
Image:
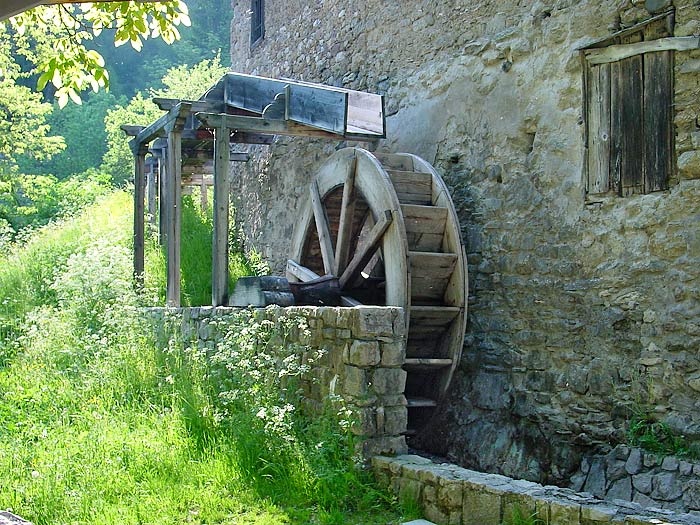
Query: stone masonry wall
x=643, y=477
x=364, y=349
x=579, y=312
x=450, y=495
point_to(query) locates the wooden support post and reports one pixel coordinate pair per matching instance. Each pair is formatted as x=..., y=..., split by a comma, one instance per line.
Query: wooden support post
x=174, y=215
x=219, y=288
x=162, y=196
x=139, y=194
x=151, y=182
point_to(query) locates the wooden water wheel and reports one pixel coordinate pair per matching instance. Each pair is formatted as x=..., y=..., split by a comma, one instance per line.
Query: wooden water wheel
x=385, y=225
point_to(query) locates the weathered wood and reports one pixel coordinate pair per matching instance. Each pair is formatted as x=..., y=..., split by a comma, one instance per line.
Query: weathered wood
x=209, y=106
x=424, y=219
x=262, y=291
x=366, y=112
x=131, y=131
x=432, y=265
x=296, y=270
x=412, y=187
x=174, y=218
x=324, y=291
x=598, y=122
x=658, y=120
x=139, y=211
x=426, y=363
x=278, y=109
x=274, y=127
x=395, y=161
x=420, y=402
x=163, y=196
x=623, y=33
x=630, y=133
x=221, y=220
x=323, y=229
x=347, y=212
x=365, y=252
x=622, y=51
x=151, y=184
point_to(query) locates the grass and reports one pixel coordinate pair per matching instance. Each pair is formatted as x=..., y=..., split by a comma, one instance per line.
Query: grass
x=102, y=423
x=657, y=437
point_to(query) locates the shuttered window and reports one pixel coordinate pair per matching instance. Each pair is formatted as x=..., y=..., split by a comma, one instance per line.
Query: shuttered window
x=257, y=21
x=629, y=118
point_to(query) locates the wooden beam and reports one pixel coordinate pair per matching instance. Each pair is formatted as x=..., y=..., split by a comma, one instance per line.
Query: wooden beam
x=323, y=229
x=151, y=181
x=163, y=195
x=208, y=106
x=367, y=251
x=131, y=131
x=174, y=218
x=620, y=52
x=296, y=270
x=347, y=212
x=219, y=289
x=139, y=226
x=273, y=127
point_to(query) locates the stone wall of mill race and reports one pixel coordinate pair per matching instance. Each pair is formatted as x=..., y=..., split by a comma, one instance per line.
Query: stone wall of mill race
x=580, y=313
x=363, y=350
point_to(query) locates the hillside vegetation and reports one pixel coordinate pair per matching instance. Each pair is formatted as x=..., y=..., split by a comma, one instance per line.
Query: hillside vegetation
x=102, y=424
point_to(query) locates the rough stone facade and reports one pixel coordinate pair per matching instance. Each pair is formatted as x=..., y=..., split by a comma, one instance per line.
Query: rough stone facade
x=645, y=478
x=579, y=312
x=451, y=495
x=364, y=350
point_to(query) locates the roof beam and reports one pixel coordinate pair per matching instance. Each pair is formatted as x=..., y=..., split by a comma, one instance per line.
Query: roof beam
x=273, y=127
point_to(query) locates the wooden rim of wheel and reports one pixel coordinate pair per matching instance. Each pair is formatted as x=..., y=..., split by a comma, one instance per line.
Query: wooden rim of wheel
x=385, y=225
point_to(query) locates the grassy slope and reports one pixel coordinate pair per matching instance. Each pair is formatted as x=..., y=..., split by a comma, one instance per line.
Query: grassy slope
x=98, y=425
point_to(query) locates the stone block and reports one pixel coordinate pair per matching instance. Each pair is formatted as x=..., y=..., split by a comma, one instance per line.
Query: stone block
x=372, y=321
x=389, y=381
x=393, y=354
x=642, y=483
x=685, y=468
x=433, y=512
x=395, y=420
x=515, y=503
x=670, y=463
x=354, y=381
x=450, y=494
x=429, y=494
x=633, y=465
x=595, y=482
x=364, y=353
x=411, y=471
x=386, y=445
x=689, y=165
x=691, y=494
x=666, y=487
x=620, y=489
x=564, y=513
x=592, y=514
x=480, y=507
x=409, y=490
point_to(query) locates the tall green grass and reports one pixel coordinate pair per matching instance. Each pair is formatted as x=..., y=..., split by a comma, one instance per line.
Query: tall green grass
x=102, y=422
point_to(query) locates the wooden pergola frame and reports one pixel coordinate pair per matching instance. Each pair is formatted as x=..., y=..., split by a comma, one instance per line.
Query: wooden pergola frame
x=239, y=109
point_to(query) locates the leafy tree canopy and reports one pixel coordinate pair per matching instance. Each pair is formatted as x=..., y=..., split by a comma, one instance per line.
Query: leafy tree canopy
x=56, y=39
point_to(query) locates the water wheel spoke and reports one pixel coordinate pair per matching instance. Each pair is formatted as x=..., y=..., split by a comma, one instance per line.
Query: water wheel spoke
x=347, y=214
x=323, y=229
x=300, y=272
x=365, y=252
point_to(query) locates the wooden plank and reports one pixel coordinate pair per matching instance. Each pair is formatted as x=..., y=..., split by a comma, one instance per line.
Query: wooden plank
x=630, y=133
x=208, y=106
x=426, y=363
x=139, y=204
x=323, y=229
x=365, y=252
x=394, y=161
x=296, y=270
x=174, y=222
x=658, y=120
x=345, y=226
x=434, y=316
x=598, y=121
x=412, y=187
x=424, y=219
x=432, y=265
x=615, y=53
x=366, y=111
x=151, y=183
x=618, y=35
x=420, y=402
x=162, y=196
x=219, y=289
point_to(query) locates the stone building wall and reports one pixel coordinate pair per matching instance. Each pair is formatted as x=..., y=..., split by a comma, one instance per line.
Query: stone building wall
x=363, y=350
x=579, y=312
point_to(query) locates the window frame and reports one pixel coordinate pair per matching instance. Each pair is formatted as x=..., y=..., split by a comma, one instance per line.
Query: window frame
x=629, y=135
x=257, y=22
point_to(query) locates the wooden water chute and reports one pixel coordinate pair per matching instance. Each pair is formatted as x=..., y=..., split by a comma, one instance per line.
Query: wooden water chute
x=192, y=142
x=385, y=225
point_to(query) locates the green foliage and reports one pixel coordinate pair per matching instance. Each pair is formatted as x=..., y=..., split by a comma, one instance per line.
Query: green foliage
x=187, y=82
x=195, y=259
x=519, y=516
x=655, y=436
x=104, y=424
x=68, y=64
x=83, y=131
x=28, y=201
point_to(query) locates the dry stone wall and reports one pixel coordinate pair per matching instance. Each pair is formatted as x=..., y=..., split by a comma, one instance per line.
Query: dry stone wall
x=451, y=495
x=363, y=350
x=643, y=477
x=579, y=312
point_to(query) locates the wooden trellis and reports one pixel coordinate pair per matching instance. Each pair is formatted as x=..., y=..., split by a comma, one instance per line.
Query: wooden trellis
x=192, y=142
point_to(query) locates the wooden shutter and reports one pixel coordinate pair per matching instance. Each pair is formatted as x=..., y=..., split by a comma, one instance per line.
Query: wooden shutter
x=629, y=120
